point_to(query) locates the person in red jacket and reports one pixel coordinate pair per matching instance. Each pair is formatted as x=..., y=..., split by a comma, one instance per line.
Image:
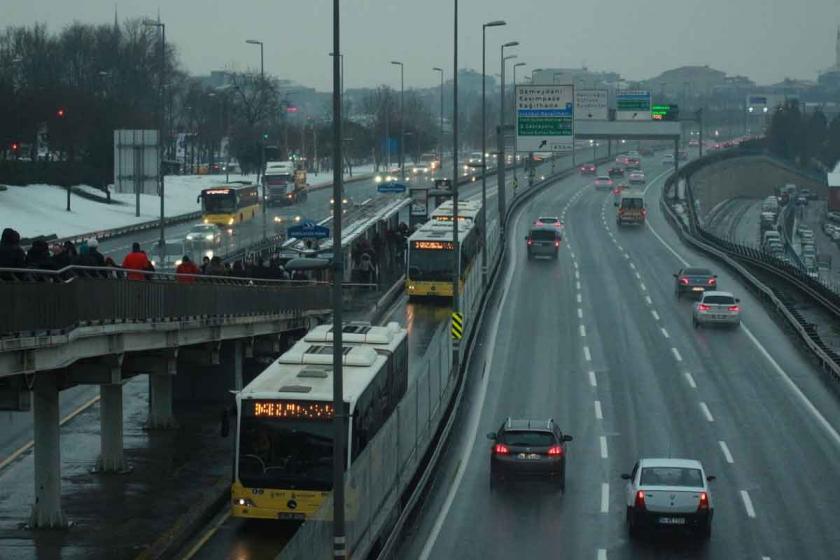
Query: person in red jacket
x=137, y=260
x=186, y=267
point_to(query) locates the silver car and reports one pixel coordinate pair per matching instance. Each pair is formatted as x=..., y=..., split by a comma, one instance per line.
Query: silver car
x=717, y=308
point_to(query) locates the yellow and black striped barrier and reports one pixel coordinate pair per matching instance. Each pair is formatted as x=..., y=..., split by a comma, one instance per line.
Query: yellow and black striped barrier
x=457, y=327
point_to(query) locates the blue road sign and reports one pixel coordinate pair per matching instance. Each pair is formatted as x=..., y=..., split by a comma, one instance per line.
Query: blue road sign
x=308, y=230
x=391, y=187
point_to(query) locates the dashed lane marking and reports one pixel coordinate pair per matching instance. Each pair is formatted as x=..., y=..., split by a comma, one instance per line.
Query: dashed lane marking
x=676, y=354
x=655, y=314
x=748, y=505
x=690, y=380
x=605, y=497
x=599, y=415
x=580, y=313
x=579, y=299
x=648, y=300
x=706, y=412
x=664, y=332
x=592, y=379
x=725, y=450
x=603, y=447
x=586, y=354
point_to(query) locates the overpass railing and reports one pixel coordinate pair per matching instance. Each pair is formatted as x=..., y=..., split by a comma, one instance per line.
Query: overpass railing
x=36, y=302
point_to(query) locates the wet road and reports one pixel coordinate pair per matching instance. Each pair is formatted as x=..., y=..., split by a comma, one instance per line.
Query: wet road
x=597, y=341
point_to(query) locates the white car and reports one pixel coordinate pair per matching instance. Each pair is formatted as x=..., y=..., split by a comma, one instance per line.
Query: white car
x=204, y=235
x=384, y=178
x=548, y=221
x=668, y=493
x=717, y=308
x=637, y=178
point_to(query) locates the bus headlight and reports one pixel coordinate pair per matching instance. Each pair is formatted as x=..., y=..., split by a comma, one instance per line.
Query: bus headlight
x=206, y=221
x=230, y=222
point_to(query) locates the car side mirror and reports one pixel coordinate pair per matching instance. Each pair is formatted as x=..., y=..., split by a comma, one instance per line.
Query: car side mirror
x=625, y=476
x=676, y=275
x=225, y=429
x=526, y=238
x=737, y=300
x=567, y=437
x=710, y=478
x=491, y=435
x=714, y=276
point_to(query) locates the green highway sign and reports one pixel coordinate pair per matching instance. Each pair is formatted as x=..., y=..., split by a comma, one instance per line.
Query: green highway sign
x=665, y=112
x=545, y=118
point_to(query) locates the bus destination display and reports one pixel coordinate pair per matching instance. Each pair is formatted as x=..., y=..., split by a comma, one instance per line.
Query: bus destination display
x=291, y=409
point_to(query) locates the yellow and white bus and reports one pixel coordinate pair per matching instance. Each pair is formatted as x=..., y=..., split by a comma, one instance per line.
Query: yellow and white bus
x=431, y=256
x=468, y=210
x=284, y=442
x=229, y=204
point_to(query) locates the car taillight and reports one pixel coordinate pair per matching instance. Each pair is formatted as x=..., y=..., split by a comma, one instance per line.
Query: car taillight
x=555, y=451
x=501, y=449
x=704, y=502
x=556, y=243
x=684, y=281
x=704, y=307
x=734, y=308
x=640, y=500
x=644, y=211
x=711, y=282
x=530, y=242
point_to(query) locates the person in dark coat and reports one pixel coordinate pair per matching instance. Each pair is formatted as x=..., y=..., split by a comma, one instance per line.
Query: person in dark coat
x=39, y=256
x=66, y=257
x=11, y=253
x=92, y=257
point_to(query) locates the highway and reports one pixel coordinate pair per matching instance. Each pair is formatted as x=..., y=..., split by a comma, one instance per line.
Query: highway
x=597, y=341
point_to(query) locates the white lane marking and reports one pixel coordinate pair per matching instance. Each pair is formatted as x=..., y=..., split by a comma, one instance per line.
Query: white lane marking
x=466, y=453
x=571, y=252
x=648, y=300
x=725, y=450
x=747, y=503
x=602, y=554
x=638, y=276
x=580, y=313
x=578, y=298
x=605, y=497
x=676, y=354
x=664, y=332
x=577, y=274
x=603, y=447
x=576, y=264
x=765, y=558
x=586, y=354
x=577, y=286
x=592, y=379
x=633, y=266
x=642, y=285
x=655, y=314
x=620, y=248
x=706, y=412
x=626, y=257
x=582, y=330
x=690, y=380
x=599, y=415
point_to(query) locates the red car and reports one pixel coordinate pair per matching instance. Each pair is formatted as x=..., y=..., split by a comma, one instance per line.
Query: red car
x=587, y=169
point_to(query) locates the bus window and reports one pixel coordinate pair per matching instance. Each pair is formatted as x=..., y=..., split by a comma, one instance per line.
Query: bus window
x=220, y=203
x=428, y=265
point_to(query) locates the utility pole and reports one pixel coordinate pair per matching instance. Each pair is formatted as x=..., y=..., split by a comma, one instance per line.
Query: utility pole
x=339, y=413
x=440, y=132
x=402, y=117
x=262, y=138
x=456, y=261
x=161, y=135
x=500, y=162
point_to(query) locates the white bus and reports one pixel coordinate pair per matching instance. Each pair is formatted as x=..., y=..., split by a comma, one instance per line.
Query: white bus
x=284, y=441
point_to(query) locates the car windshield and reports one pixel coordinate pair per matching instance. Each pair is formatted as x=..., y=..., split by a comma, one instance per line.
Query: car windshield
x=697, y=272
x=205, y=229
x=671, y=476
x=719, y=300
x=547, y=220
x=633, y=203
x=282, y=453
x=219, y=203
x=429, y=265
x=528, y=438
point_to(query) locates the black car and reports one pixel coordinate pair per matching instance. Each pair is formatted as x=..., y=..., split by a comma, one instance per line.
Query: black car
x=528, y=449
x=616, y=172
x=693, y=280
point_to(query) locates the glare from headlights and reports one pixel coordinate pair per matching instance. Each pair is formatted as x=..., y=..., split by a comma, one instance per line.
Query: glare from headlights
x=209, y=237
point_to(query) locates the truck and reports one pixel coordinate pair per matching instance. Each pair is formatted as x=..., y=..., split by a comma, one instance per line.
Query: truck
x=285, y=183
x=631, y=209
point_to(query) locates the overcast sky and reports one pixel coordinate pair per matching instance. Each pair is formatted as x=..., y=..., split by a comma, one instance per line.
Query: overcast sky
x=766, y=40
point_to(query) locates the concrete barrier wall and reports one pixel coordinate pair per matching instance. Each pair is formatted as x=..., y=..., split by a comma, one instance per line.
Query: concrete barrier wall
x=747, y=176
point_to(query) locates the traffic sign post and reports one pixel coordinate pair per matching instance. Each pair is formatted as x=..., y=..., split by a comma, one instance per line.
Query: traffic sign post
x=308, y=230
x=545, y=118
x=391, y=187
x=591, y=104
x=665, y=112
x=632, y=105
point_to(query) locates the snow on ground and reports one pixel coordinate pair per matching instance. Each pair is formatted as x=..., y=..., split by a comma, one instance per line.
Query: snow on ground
x=40, y=209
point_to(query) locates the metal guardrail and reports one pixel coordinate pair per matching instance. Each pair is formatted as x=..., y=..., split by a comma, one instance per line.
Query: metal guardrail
x=38, y=302
x=736, y=256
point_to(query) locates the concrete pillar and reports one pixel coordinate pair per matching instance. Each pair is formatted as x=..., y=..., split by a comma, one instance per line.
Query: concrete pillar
x=237, y=365
x=111, y=458
x=46, y=512
x=160, y=402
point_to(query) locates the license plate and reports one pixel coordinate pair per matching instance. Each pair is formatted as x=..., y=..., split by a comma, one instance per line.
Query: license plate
x=286, y=515
x=696, y=289
x=529, y=456
x=672, y=521
x=720, y=317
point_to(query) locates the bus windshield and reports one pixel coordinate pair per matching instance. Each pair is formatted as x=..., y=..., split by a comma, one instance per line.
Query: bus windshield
x=219, y=203
x=428, y=265
x=285, y=453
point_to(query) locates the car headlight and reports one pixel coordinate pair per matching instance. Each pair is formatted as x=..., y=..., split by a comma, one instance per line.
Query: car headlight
x=377, y=179
x=209, y=237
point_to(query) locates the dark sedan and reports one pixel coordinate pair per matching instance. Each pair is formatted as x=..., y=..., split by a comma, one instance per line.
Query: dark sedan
x=528, y=449
x=587, y=169
x=694, y=280
x=616, y=172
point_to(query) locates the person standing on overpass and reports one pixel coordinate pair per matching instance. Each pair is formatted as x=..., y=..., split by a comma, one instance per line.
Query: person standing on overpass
x=137, y=260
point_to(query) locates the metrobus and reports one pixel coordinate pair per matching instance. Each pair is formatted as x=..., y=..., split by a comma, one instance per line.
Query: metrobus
x=284, y=441
x=470, y=210
x=229, y=204
x=431, y=257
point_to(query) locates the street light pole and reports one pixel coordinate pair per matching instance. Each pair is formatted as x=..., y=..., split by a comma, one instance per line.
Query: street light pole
x=339, y=413
x=500, y=163
x=262, y=138
x=440, y=134
x=402, y=118
x=456, y=261
x=515, y=152
x=161, y=119
x=495, y=23
x=342, y=99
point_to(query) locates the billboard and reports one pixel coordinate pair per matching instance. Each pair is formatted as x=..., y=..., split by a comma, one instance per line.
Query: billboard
x=136, y=161
x=591, y=104
x=545, y=118
x=632, y=105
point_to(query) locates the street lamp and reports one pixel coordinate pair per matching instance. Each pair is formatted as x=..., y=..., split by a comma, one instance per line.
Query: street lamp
x=341, y=88
x=262, y=138
x=160, y=25
x=515, y=153
x=501, y=161
x=440, y=134
x=495, y=23
x=402, y=117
